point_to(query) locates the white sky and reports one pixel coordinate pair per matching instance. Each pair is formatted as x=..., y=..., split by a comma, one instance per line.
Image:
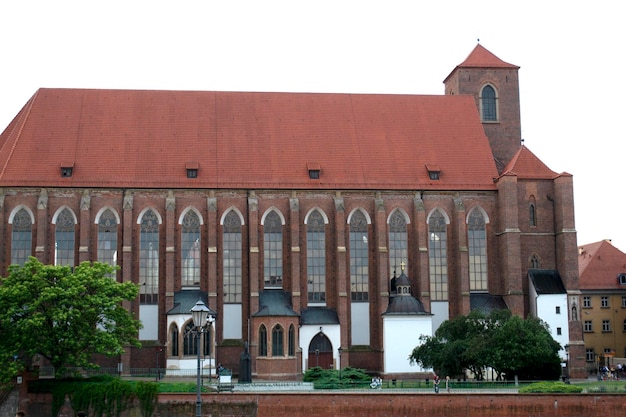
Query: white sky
x=571, y=54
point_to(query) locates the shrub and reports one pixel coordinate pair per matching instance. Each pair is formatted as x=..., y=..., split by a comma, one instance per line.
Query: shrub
x=550, y=387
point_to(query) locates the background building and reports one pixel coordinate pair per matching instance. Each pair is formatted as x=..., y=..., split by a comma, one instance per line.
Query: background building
x=603, y=290
x=292, y=213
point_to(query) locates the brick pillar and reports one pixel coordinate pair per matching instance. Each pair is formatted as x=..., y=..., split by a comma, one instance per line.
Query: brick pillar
x=209, y=279
x=294, y=241
x=170, y=262
x=566, y=247
x=127, y=263
x=254, y=253
x=382, y=253
x=84, y=242
x=509, y=246
x=4, y=236
x=420, y=228
x=460, y=283
x=341, y=276
x=41, y=249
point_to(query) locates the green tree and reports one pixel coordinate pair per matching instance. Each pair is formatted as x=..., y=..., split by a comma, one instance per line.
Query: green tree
x=64, y=315
x=525, y=348
x=508, y=344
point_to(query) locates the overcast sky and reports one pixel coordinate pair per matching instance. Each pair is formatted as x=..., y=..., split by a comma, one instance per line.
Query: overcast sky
x=571, y=54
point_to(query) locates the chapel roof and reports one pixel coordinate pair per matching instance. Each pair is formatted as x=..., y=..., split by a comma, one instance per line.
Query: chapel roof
x=243, y=140
x=526, y=165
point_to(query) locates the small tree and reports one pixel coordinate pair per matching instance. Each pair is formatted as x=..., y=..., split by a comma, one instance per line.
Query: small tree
x=63, y=315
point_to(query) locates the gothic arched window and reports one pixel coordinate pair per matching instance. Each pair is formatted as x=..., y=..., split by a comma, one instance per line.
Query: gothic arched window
x=488, y=104
x=398, y=242
x=273, y=251
x=191, y=249
x=278, y=348
x=359, y=259
x=21, y=237
x=149, y=258
x=316, y=257
x=477, y=241
x=232, y=258
x=262, y=341
x=65, y=238
x=107, y=238
x=438, y=256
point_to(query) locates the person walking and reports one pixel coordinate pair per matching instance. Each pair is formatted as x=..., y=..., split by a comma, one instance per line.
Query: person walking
x=448, y=384
x=436, y=383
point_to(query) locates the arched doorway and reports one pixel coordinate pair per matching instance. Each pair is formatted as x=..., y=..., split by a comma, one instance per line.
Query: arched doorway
x=320, y=352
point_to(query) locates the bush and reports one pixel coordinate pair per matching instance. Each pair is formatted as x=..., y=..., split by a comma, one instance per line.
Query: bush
x=332, y=379
x=550, y=387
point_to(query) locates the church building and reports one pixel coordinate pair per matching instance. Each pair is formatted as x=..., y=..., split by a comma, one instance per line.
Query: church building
x=315, y=226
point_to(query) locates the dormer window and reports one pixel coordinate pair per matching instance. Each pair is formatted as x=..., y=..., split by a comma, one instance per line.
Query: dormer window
x=433, y=171
x=66, y=169
x=621, y=278
x=192, y=169
x=314, y=170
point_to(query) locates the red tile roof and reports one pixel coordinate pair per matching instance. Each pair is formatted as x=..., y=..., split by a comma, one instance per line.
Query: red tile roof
x=482, y=58
x=526, y=165
x=599, y=264
x=148, y=139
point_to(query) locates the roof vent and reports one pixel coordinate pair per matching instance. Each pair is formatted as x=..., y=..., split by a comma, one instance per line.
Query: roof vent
x=66, y=169
x=314, y=170
x=192, y=169
x=433, y=171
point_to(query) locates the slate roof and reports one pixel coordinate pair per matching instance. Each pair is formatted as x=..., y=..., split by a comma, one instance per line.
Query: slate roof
x=186, y=299
x=526, y=165
x=318, y=315
x=275, y=303
x=547, y=281
x=243, y=140
x=599, y=265
x=486, y=303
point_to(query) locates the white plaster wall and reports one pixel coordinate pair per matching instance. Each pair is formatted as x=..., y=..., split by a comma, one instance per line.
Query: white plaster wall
x=441, y=313
x=401, y=335
x=232, y=321
x=307, y=332
x=546, y=311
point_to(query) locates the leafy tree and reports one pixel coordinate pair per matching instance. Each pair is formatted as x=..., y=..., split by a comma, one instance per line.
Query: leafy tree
x=508, y=344
x=63, y=315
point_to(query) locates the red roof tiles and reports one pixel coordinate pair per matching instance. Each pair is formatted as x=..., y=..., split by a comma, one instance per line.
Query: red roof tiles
x=147, y=139
x=599, y=265
x=526, y=165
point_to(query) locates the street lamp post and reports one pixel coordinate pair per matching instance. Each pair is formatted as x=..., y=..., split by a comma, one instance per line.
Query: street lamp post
x=210, y=319
x=200, y=313
x=340, y=349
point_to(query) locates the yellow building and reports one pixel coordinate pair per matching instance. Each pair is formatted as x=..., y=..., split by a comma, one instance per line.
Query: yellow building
x=602, y=269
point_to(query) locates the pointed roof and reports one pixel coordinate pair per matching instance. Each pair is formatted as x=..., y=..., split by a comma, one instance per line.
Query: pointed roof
x=526, y=165
x=480, y=57
x=243, y=140
x=599, y=265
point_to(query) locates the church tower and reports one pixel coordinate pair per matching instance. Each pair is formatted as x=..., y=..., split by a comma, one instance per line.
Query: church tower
x=495, y=87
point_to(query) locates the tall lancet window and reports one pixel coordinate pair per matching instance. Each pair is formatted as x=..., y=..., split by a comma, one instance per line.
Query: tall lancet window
x=232, y=258
x=191, y=249
x=438, y=256
x=477, y=241
x=398, y=242
x=359, y=260
x=149, y=258
x=488, y=104
x=107, y=238
x=316, y=257
x=21, y=237
x=65, y=238
x=273, y=251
